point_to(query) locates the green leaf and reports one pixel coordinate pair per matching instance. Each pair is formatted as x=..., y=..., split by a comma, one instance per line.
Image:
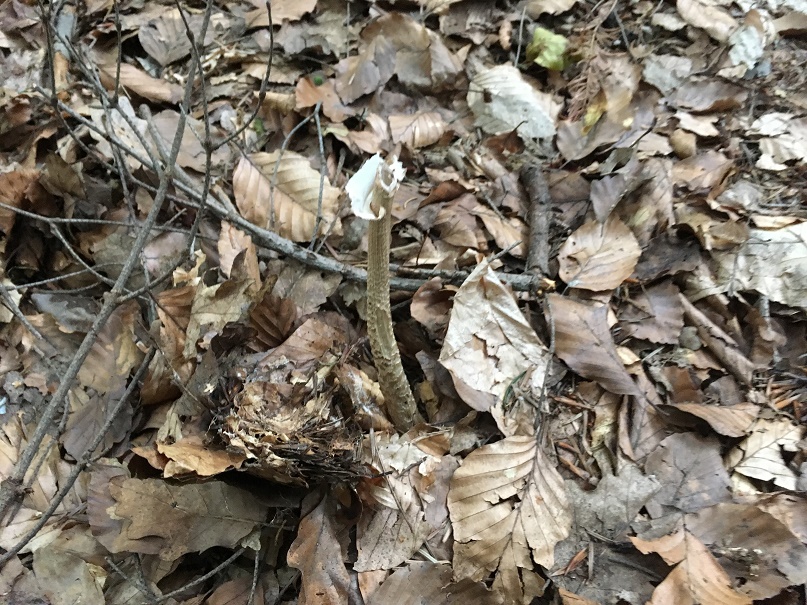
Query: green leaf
x=548, y=49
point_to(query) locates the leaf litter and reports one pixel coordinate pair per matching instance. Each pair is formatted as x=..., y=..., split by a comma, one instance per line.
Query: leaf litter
x=610, y=359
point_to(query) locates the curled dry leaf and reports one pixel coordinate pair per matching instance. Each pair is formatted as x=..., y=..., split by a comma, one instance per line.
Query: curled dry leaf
x=599, y=256
x=293, y=208
x=714, y=20
x=417, y=130
x=729, y=420
x=759, y=456
x=508, y=508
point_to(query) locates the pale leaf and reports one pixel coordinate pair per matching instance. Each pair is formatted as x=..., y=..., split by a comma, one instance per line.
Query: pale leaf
x=599, y=256
x=418, y=130
x=536, y=8
x=759, y=456
x=489, y=342
x=509, y=508
x=502, y=101
x=714, y=20
x=292, y=210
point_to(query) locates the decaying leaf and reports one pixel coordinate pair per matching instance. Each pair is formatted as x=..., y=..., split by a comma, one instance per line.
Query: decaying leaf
x=508, y=509
x=489, y=343
x=690, y=471
x=152, y=516
x=759, y=552
x=771, y=262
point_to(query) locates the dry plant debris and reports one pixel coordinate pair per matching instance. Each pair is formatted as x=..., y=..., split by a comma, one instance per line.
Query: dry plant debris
x=596, y=248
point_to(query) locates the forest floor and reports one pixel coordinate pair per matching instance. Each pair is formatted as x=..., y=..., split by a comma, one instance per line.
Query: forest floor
x=598, y=288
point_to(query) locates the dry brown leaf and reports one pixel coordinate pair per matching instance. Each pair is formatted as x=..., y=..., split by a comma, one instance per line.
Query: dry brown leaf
x=417, y=130
x=793, y=23
x=89, y=411
x=295, y=199
x=213, y=308
x=759, y=456
x=139, y=82
x=166, y=37
x=642, y=427
x=43, y=481
x=367, y=72
x=697, y=579
x=509, y=509
x=599, y=256
x=653, y=314
x=317, y=553
x=536, y=8
x=424, y=582
x=67, y=579
x=431, y=306
x=691, y=473
x=509, y=233
x=714, y=20
x=191, y=152
x=308, y=94
x=721, y=344
x=569, y=598
x=703, y=171
x=114, y=353
x=192, y=455
x=390, y=535
x=171, y=520
x=233, y=242
x=455, y=222
x=729, y=420
x=114, y=123
x=758, y=552
x=702, y=96
x=607, y=192
x=502, y=101
x=584, y=342
x=489, y=342
x=282, y=10
x=272, y=318
x=772, y=263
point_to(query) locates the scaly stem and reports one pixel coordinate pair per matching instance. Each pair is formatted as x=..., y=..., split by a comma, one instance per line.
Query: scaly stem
x=400, y=402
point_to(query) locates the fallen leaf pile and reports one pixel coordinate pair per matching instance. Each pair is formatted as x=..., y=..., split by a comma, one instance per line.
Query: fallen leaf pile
x=598, y=285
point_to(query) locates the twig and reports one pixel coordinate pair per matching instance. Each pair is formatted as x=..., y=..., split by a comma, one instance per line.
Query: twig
x=540, y=217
